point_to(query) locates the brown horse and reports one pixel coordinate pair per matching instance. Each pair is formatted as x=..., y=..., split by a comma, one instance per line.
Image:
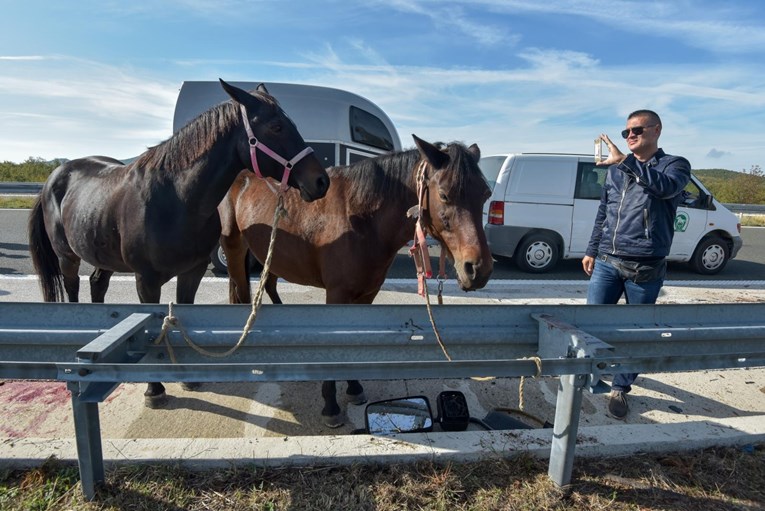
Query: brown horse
x=157, y=217
x=347, y=242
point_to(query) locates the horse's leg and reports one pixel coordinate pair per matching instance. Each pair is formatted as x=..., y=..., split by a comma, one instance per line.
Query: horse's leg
x=234, y=246
x=149, y=287
x=355, y=391
x=331, y=410
x=271, y=281
x=185, y=291
x=70, y=269
x=99, y=284
x=188, y=283
x=150, y=291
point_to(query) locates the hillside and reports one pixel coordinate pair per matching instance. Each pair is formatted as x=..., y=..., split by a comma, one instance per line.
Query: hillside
x=734, y=187
x=727, y=185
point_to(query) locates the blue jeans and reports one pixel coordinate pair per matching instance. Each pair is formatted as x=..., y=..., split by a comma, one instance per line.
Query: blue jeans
x=606, y=287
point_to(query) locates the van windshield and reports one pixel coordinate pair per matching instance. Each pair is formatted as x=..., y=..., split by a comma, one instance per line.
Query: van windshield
x=490, y=166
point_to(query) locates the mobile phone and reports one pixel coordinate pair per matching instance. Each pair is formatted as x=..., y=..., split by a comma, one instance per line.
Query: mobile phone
x=599, y=152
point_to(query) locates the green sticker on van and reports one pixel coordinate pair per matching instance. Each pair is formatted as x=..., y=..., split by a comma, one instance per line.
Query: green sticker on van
x=681, y=221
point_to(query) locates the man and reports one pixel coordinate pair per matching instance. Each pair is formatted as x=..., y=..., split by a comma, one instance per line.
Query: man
x=634, y=227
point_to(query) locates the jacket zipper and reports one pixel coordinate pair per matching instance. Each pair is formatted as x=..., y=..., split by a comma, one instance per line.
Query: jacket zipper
x=645, y=223
x=619, y=216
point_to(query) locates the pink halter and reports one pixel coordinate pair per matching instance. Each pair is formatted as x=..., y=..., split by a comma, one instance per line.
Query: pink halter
x=255, y=145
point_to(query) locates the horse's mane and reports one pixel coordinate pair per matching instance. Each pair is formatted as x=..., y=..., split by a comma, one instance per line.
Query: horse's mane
x=195, y=139
x=391, y=176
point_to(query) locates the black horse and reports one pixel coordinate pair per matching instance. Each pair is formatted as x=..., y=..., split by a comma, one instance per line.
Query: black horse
x=157, y=217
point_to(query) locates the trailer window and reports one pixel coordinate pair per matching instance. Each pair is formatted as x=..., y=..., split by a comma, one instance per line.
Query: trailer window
x=368, y=129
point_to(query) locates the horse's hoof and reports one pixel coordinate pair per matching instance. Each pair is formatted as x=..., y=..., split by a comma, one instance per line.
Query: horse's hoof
x=334, y=421
x=190, y=386
x=154, y=402
x=357, y=399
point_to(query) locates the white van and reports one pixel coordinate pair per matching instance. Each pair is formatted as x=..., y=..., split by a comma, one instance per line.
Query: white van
x=543, y=208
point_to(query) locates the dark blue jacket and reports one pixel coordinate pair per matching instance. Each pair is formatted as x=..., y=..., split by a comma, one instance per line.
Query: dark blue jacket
x=636, y=217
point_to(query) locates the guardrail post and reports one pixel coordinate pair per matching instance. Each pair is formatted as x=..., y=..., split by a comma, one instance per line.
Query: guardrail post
x=87, y=432
x=567, y=410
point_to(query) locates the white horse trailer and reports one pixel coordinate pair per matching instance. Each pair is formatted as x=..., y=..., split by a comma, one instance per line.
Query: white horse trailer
x=340, y=126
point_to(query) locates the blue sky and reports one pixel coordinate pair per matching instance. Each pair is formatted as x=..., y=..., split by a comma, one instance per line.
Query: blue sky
x=102, y=77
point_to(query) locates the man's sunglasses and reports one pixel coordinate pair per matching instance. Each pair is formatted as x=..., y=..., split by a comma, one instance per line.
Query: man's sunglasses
x=637, y=130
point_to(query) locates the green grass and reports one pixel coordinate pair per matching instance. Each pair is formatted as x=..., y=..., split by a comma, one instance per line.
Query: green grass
x=13, y=202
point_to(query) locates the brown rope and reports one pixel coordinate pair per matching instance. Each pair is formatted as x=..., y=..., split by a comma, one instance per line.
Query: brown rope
x=172, y=321
x=433, y=322
x=538, y=362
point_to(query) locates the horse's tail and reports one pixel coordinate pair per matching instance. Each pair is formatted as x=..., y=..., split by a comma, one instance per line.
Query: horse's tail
x=44, y=259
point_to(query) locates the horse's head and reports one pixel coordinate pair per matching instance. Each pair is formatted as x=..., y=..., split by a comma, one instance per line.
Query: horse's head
x=271, y=144
x=452, y=209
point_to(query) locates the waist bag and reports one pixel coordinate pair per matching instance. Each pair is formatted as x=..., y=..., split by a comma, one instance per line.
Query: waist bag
x=638, y=271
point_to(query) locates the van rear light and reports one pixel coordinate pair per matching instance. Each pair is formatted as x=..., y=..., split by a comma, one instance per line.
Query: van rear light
x=497, y=212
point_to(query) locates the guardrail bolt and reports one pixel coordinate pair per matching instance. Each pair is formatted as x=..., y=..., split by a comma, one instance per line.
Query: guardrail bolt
x=83, y=372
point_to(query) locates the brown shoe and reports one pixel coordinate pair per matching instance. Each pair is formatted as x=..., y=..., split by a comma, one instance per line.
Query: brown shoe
x=617, y=404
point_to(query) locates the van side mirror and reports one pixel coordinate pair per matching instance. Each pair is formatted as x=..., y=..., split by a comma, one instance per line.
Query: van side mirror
x=405, y=415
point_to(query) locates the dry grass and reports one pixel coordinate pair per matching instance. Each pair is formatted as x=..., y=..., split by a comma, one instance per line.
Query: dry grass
x=713, y=479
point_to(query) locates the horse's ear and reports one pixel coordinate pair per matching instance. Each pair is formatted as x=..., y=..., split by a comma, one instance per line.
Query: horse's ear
x=475, y=151
x=262, y=88
x=431, y=153
x=237, y=94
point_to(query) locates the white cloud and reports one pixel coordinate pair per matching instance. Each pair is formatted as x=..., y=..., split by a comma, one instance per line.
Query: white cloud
x=62, y=107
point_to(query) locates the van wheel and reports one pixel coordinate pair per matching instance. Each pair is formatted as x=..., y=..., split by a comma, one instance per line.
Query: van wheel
x=219, y=262
x=218, y=257
x=537, y=253
x=710, y=256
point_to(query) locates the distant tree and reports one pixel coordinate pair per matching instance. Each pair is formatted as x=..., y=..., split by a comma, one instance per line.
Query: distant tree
x=746, y=187
x=31, y=170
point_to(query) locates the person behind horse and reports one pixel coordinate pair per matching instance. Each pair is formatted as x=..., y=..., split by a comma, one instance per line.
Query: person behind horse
x=634, y=227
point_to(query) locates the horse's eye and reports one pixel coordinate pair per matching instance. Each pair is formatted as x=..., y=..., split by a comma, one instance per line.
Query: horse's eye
x=277, y=128
x=443, y=197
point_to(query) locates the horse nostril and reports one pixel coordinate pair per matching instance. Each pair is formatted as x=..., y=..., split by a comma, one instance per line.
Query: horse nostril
x=470, y=270
x=322, y=183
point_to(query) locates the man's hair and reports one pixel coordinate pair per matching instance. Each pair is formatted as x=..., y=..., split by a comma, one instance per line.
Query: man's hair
x=650, y=113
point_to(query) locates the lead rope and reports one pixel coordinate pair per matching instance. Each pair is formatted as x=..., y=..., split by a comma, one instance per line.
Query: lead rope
x=538, y=362
x=419, y=251
x=433, y=323
x=172, y=321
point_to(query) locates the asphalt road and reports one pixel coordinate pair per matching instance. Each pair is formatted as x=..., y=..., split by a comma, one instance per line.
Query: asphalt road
x=749, y=265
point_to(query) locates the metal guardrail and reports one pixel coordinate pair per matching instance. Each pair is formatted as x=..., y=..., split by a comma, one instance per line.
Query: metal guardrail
x=94, y=347
x=19, y=188
x=747, y=209
x=24, y=188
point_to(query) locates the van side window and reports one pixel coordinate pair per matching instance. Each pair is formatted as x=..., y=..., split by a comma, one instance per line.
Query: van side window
x=589, y=181
x=694, y=197
x=368, y=129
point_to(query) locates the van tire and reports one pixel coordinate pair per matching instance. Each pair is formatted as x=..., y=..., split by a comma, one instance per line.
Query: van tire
x=218, y=258
x=537, y=253
x=711, y=255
